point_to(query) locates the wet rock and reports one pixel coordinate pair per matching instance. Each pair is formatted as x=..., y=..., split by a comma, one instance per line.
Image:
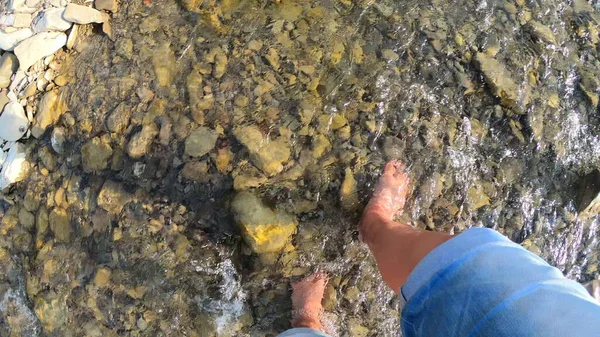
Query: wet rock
x=83, y=15
x=60, y=224
x=107, y=5
x=58, y=139
x=48, y=113
x=393, y=147
x=95, y=154
x=218, y=57
x=356, y=329
x=50, y=20
x=8, y=66
x=250, y=177
x=38, y=46
x=349, y=191
x=113, y=197
x=321, y=144
x=200, y=142
x=140, y=143
x=118, y=120
x=195, y=171
x=26, y=218
x=268, y=155
x=503, y=87
x=124, y=48
x=163, y=61
x=223, y=159
x=102, y=277
x=541, y=32
x=477, y=197
x=10, y=39
x=390, y=55
x=263, y=229
x=13, y=122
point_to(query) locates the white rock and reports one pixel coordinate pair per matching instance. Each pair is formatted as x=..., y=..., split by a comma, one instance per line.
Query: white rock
x=9, y=38
x=8, y=66
x=51, y=19
x=13, y=122
x=17, y=20
x=38, y=46
x=2, y=157
x=34, y=3
x=72, y=36
x=19, y=6
x=84, y=15
x=14, y=167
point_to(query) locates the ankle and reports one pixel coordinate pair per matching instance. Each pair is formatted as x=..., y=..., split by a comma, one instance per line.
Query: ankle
x=307, y=322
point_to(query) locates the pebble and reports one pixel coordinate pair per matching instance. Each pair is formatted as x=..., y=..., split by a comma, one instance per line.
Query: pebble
x=83, y=15
x=112, y=197
x=14, y=168
x=10, y=38
x=8, y=66
x=200, y=142
x=267, y=154
x=107, y=5
x=503, y=86
x=195, y=171
x=263, y=229
x=39, y=46
x=95, y=155
x=60, y=224
x=140, y=143
x=50, y=20
x=13, y=122
x=118, y=120
x=47, y=114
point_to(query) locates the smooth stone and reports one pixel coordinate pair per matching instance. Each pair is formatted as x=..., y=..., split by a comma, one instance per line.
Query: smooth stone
x=39, y=46
x=58, y=139
x=3, y=99
x=140, y=143
x=52, y=19
x=503, y=86
x=107, y=5
x=14, y=168
x=200, y=142
x=83, y=15
x=16, y=20
x=113, y=197
x=541, y=32
x=47, y=114
x=10, y=39
x=9, y=64
x=265, y=230
x=13, y=122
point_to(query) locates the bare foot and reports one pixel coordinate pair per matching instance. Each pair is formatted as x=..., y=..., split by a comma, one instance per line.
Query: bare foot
x=306, y=302
x=389, y=196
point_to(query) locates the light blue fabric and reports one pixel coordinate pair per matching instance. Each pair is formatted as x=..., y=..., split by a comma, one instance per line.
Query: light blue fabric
x=303, y=332
x=481, y=284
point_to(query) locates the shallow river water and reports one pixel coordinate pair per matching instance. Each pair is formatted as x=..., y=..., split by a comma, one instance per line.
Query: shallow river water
x=124, y=226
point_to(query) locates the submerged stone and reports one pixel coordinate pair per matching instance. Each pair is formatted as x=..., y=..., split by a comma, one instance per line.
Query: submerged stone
x=265, y=230
x=268, y=155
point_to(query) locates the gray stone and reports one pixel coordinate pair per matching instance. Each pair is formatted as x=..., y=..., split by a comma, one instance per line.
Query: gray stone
x=107, y=5
x=58, y=140
x=265, y=230
x=140, y=143
x=43, y=44
x=50, y=20
x=200, y=142
x=9, y=64
x=26, y=218
x=267, y=154
x=84, y=15
x=95, y=155
x=541, y=32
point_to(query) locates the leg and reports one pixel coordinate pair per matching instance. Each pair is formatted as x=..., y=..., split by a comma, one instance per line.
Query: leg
x=306, y=302
x=397, y=247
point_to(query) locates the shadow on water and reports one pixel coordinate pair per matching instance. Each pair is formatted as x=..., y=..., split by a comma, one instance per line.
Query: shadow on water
x=492, y=104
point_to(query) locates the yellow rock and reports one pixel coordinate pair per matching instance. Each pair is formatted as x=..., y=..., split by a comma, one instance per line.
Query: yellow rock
x=102, y=277
x=554, y=101
x=337, y=53
x=348, y=191
x=263, y=229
